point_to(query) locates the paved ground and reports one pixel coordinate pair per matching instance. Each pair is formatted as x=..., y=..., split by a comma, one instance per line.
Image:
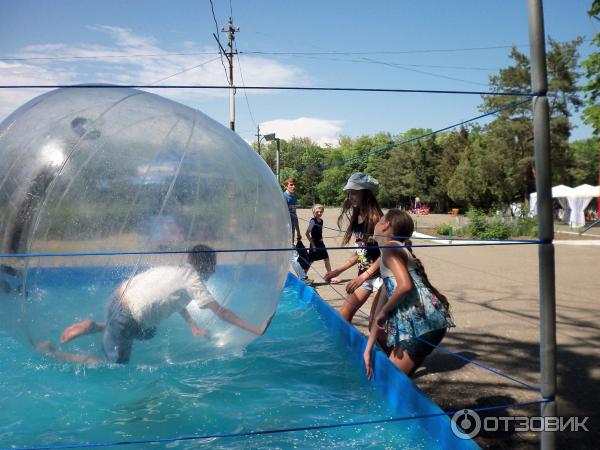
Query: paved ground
x=494, y=296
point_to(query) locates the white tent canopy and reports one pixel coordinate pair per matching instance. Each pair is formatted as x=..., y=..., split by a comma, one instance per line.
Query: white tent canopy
x=561, y=191
x=573, y=199
x=582, y=197
x=587, y=190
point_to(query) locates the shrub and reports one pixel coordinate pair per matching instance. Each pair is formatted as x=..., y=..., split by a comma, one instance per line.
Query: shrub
x=496, y=229
x=478, y=223
x=444, y=229
x=526, y=226
x=482, y=227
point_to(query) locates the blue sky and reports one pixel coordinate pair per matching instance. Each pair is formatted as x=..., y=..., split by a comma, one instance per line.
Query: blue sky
x=441, y=45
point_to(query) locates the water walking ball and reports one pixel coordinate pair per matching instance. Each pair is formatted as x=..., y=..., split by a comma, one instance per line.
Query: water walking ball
x=98, y=184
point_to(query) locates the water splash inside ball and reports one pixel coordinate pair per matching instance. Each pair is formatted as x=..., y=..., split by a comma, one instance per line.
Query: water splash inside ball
x=111, y=182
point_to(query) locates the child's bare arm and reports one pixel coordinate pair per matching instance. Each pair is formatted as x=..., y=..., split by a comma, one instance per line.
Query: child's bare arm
x=359, y=280
x=229, y=316
x=347, y=264
x=368, y=354
x=307, y=234
x=196, y=330
x=396, y=262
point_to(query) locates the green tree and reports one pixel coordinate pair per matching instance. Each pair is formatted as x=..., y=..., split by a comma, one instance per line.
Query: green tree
x=351, y=157
x=301, y=158
x=394, y=187
x=475, y=180
x=453, y=146
x=584, y=161
x=512, y=130
x=591, y=65
x=329, y=189
x=311, y=171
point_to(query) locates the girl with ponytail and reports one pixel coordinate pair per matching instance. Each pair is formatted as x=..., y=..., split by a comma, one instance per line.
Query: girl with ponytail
x=413, y=314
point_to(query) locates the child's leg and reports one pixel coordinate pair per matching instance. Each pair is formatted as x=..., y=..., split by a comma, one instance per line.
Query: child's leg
x=81, y=329
x=46, y=348
x=403, y=361
x=353, y=303
x=327, y=265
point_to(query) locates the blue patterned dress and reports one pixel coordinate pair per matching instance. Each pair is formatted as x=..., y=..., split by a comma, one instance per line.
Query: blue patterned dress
x=420, y=312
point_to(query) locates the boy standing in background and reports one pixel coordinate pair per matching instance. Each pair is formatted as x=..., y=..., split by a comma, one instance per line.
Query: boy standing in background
x=290, y=197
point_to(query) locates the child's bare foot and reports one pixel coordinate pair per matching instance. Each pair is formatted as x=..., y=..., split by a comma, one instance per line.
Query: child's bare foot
x=76, y=330
x=335, y=281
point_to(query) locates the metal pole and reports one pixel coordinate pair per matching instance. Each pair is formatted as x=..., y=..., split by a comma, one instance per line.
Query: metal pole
x=541, y=140
x=277, y=161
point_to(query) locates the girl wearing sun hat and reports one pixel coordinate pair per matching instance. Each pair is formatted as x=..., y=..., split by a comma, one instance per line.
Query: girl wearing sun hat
x=361, y=211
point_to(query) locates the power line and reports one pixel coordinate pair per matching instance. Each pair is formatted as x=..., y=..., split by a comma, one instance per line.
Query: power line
x=406, y=67
x=259, y=52
x=110, y=56
x=254, y=52
x=266, y=88
x=185, y=70
x=431, y=66
x=390, y=52
x=392, y=146
x=216, y=35
x=243, y=84
x=398, y=66
x=249, y=52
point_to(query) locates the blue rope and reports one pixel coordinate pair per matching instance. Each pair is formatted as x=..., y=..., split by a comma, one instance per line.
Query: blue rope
x=283, y=430
x=483, y=366
x=254, y=250
x=284, y=88
x=431, y=133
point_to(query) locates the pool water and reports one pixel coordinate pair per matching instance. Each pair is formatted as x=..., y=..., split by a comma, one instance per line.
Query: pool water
x=299, y=374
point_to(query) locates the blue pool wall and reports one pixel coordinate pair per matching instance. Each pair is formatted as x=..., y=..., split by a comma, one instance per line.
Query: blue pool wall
x=404, y=398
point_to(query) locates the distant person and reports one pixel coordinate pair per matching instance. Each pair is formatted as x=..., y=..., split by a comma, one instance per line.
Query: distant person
x=362, y=212
x=314, y=234
x=290, y=197
x=139, y=304
x=413, y=312
x=417, y=203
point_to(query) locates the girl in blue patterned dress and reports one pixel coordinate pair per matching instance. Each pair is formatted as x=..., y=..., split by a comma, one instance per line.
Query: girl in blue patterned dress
x=413, y=312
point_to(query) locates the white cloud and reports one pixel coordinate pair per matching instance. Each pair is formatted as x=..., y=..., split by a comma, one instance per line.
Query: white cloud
x=322, y=131
x=18, y=73
x=120, y=63
x=125, y=38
